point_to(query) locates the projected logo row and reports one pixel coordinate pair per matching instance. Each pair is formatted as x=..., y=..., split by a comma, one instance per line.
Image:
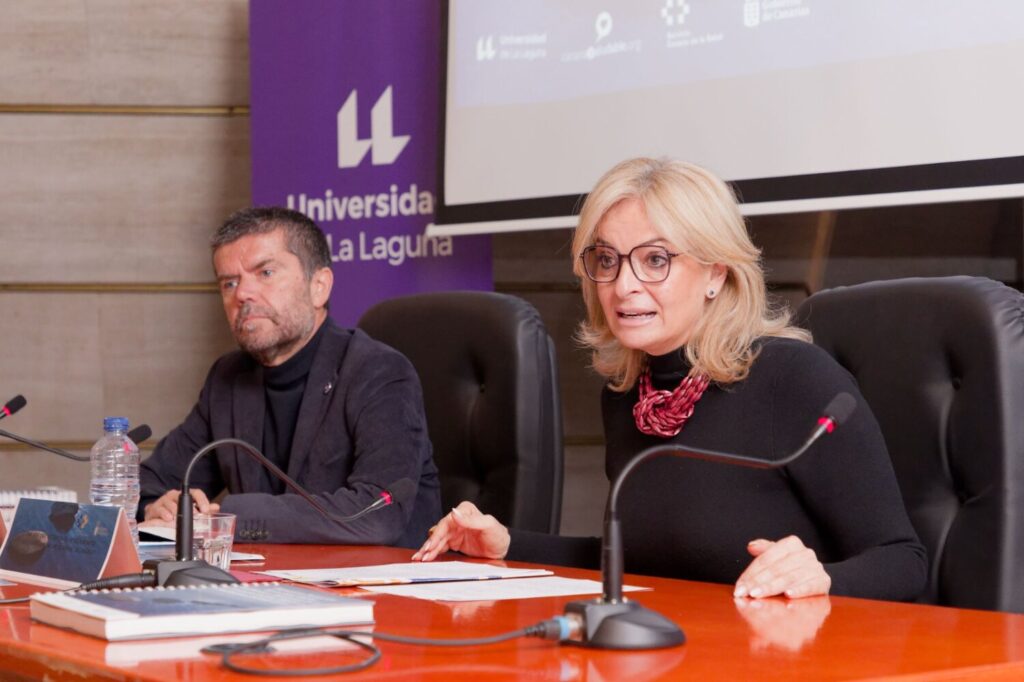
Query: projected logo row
x=674, y=16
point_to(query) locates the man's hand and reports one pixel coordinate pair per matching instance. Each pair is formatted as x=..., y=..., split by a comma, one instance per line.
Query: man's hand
x=166, y=508
x=785, y=567
x=466, y=529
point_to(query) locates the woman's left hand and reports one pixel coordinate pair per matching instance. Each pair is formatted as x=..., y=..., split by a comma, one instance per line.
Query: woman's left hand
x=785, y=567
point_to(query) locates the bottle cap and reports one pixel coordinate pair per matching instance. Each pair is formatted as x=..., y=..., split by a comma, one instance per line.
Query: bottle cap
x=115, y=424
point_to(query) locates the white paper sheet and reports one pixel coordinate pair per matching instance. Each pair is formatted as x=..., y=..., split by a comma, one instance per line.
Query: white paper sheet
x=165, y=550
x=162, y=532
x=400, y=574
x=527, y=588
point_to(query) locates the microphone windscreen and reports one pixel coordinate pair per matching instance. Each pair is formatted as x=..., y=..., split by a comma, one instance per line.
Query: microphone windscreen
x=140, y=433
x=840, y=408
x=15, y=404
x=402, y=490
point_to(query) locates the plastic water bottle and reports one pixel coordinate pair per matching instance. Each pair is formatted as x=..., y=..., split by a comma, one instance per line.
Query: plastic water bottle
x=115, y=471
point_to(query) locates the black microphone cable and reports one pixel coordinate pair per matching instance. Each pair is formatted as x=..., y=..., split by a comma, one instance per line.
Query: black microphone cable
x=558, y=628
x=138, y=434
x=21, y=600
x=130, y=580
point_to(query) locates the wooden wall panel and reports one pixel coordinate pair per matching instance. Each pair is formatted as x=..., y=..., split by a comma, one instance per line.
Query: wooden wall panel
x=127, y=199
x=44, y=47
x=51, y=352
x=116, y=198
x=78, y=357
x=138, y=52
x=24, y=470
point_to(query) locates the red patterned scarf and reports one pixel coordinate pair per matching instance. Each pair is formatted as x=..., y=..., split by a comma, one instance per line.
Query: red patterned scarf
x=664, y=413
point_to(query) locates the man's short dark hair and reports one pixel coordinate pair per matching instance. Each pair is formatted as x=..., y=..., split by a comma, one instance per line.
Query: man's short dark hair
x=302, y=236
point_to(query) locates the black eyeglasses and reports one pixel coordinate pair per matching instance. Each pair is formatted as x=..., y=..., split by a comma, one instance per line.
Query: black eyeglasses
x=650, y=263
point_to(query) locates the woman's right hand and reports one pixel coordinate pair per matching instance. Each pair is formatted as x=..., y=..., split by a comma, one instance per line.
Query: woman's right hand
x=466, y=529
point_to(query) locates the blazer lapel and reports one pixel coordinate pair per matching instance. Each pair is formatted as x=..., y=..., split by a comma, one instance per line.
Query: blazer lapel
x=320, y=389
x=249, y=406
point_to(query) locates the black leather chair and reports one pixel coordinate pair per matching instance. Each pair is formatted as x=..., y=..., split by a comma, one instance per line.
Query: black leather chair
x=490, y=384
x=941, y=363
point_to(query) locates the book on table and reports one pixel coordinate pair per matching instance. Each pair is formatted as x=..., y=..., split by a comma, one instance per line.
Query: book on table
x=197, y=610
x=128, y=653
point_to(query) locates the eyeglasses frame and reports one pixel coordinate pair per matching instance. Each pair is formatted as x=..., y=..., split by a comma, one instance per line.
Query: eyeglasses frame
x=629, y=258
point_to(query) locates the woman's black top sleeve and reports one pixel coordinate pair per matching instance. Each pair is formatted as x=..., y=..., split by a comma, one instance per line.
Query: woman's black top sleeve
x=692, y=519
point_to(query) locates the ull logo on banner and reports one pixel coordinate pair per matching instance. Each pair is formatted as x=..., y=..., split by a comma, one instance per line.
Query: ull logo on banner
x=344, y=129
x=379, y=203
x=384, y=144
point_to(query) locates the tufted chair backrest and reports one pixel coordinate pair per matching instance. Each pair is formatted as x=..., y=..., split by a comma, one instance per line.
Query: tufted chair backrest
x=941, y=363
x=490, y=386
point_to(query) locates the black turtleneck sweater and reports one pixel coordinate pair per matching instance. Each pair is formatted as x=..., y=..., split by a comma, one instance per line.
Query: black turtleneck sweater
x=284, y=386
x=691, y=519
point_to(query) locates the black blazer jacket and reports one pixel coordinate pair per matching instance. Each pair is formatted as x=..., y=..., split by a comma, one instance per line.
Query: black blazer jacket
x=361, y=428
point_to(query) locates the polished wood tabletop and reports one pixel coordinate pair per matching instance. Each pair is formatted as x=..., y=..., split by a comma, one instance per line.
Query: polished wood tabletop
x=822, y=638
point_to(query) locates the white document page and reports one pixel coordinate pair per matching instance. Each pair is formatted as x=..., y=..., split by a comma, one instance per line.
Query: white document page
x=550, y=586
x=165, y=550
x=399, y=574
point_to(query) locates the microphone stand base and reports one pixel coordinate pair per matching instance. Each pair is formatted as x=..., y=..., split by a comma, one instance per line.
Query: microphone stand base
x=625, y=625
x=179, y=573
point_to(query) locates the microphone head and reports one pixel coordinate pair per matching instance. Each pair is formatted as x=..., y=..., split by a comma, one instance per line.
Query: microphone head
x=140, y=433
x=401, y=490
x=15, y=404
x=840, y=408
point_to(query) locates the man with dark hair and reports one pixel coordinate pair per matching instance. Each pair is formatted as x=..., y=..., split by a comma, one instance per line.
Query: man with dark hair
x=341, y=413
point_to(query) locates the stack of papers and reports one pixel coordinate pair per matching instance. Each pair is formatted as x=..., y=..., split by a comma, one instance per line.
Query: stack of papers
x=401, y=574
x=9, y=499
x=162, y=547
x=165, y=550
x=447, y=581
x=550, y=586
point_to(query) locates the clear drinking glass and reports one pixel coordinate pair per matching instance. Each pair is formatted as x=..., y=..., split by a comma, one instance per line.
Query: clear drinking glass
x=212, y=536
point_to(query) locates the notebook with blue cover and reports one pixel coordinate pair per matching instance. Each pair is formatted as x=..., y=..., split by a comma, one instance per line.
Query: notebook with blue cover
x=196, y=610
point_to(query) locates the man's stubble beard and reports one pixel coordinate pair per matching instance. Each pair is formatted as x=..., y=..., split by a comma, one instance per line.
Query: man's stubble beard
x=285, y=332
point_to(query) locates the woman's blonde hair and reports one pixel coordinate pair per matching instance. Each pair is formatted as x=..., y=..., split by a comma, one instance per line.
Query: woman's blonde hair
x=697, y=213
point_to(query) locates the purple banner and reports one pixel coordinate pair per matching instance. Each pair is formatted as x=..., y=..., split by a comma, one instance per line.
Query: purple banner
x=345, y=97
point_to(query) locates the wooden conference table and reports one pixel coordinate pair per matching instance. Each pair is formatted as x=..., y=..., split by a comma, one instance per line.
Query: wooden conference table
x=817, y=639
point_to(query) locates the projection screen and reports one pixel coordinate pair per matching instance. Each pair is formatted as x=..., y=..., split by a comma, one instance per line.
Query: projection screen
x=802, y=104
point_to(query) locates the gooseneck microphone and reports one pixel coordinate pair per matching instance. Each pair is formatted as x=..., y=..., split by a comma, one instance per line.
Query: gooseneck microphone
x=184, y=570
x=43, y=446
x=138, y=434
x=612, y=622
x=12, y=406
